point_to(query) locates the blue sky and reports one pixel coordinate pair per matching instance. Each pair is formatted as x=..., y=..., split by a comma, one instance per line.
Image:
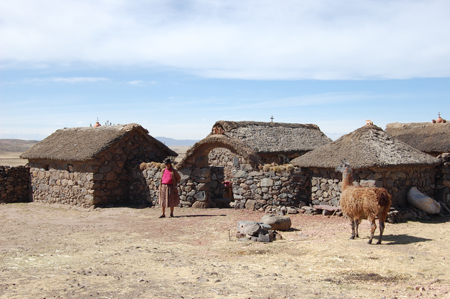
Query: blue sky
x=176, y=67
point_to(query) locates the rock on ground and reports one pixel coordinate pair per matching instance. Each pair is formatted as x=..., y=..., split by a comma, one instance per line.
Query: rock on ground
x=277, y=222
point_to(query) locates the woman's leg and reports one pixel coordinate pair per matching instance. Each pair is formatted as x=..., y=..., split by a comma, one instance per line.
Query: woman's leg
x=171, y=211
x=163, y=212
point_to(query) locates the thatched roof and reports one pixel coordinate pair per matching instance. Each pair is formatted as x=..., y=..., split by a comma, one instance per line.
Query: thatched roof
x=204, y=146
x=266, y=137
x=366, y=147
x=426, y=137
x=81, y=144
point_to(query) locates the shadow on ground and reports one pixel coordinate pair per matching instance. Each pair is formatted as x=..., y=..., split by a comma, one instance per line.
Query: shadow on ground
x=403, y=239
x=181, y=216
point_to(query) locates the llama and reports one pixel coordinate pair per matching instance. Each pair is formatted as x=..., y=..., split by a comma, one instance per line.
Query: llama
x=360, y=203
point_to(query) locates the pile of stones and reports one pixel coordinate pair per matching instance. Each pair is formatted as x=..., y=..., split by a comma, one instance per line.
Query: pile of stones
x=264, y=230
x=407, y=213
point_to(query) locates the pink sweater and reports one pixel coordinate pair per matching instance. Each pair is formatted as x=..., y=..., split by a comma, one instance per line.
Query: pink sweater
x=167, y=177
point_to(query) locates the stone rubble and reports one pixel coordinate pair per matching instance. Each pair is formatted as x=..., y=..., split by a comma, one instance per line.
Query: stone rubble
x=256, y=231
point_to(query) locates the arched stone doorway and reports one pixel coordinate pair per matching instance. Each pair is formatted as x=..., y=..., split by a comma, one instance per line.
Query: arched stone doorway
x=204, y=171
x=197, y=153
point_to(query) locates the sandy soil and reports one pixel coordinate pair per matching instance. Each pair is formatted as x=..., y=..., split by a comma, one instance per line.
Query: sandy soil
x=53, y=251
x=11, y=159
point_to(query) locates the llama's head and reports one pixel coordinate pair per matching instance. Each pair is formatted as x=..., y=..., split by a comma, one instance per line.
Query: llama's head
x=344, y=167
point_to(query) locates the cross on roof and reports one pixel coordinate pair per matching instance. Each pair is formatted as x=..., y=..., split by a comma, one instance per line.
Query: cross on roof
x=271, y=119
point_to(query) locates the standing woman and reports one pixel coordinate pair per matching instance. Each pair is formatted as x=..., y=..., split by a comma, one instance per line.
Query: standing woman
x=168, y=192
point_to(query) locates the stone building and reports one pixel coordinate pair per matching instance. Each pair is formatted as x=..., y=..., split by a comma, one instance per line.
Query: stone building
x=377, y=158
x=91, y=166
x=237, y=152
x=273, y=142
x=430, y=138
x=231, y=144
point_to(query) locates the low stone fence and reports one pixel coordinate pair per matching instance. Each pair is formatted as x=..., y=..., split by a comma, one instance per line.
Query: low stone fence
x=14, y=184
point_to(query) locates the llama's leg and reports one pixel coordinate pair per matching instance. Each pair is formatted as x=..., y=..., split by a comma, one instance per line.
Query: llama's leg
x=381, y=230
x=357, y=222
x=353, y=222
x=373, y=227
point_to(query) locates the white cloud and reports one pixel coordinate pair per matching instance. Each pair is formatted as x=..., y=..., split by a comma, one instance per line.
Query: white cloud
x=140, y=83
x=136, y=83
x=79, y=79
x=256, y=39
x=70, y=80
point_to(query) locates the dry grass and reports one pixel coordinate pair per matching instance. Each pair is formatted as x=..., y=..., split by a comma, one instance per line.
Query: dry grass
x=49, y=251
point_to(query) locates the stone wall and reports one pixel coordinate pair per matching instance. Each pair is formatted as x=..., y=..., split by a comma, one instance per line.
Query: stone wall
x=222, y=157
x=198, y=184
x=266, y=188
x=145, y=183
x=326, y=183
x=202, y=186
x=442, y=192
x=14, y=184
x=54, y=183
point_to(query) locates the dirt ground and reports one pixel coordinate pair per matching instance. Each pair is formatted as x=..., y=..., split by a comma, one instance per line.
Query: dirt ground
x=55, y=251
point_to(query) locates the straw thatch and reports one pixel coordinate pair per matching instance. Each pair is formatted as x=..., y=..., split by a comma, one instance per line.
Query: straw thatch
x=267, y=137
x=81, y=144
x=366, y=147
x=426, y=137
x=204, y=146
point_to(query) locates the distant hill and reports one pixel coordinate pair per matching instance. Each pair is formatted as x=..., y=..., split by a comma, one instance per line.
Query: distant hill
x=176, y=142
x=16, y=145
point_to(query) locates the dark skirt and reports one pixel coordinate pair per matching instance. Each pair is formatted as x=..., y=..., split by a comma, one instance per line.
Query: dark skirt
x=168, y=196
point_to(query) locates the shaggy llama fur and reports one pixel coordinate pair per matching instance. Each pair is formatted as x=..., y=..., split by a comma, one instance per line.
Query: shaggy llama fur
x=360, y=203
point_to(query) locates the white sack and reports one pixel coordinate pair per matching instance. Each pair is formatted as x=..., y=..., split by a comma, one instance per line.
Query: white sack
x=423, y=202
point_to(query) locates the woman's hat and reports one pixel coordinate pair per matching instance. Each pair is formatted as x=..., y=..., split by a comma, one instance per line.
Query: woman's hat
x=167, y=161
